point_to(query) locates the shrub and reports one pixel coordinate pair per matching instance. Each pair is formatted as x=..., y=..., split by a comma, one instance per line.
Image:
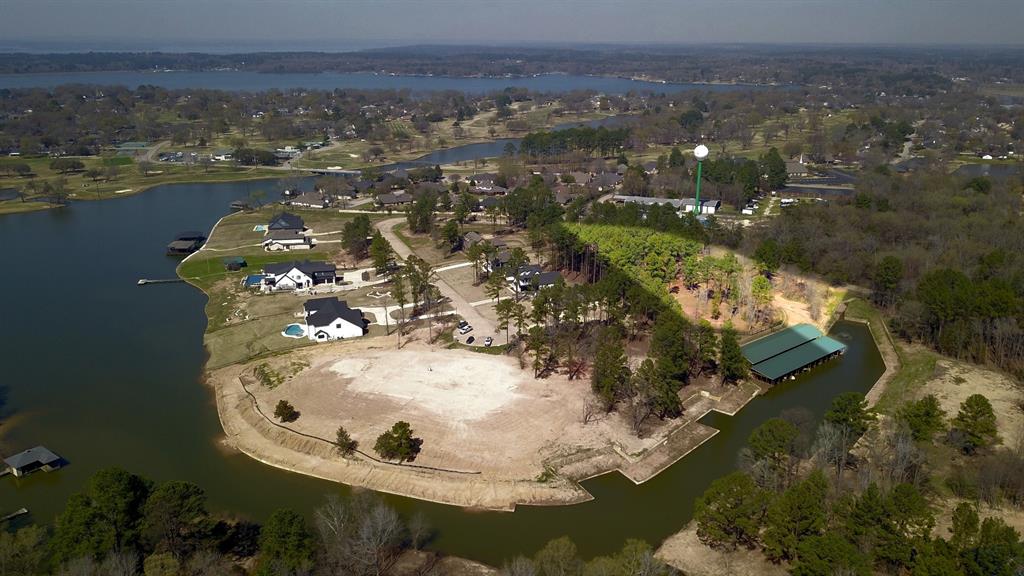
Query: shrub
x=285, y=412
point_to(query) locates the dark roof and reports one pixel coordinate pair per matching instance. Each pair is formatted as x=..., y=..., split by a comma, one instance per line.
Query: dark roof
x=183, y=245
x=490, y=202
x=528, y=269
x=286, y=221
x=390, y=198
x=306, y=267
x=310, y=198
x=190, y=235
x=38, y=455
x=472, y=237
x=324, y=311
x=547, y=278
x=285, y=234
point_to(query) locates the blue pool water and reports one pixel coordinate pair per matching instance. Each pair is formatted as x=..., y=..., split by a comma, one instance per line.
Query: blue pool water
x=294, y=330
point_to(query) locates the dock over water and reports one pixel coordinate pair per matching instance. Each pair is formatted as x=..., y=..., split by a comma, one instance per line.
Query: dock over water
x=788, y=351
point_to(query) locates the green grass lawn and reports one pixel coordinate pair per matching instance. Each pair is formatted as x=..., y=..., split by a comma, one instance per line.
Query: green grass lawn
x=917, y=364
x=128, y=180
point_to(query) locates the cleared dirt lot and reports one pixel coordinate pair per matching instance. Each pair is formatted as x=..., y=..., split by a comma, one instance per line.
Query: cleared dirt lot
x=492, y=434
x=475, y=412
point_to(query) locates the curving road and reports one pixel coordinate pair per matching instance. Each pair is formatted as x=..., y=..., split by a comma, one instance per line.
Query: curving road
x=482, y=327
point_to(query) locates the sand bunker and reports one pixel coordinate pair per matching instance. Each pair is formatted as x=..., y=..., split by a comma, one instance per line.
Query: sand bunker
x=461, y=389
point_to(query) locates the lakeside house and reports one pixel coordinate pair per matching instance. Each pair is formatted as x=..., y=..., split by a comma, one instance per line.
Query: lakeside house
x=391, y=199
x=278, y=240
x=311, y=200
x=297, y=275
x=286, y=221
x=332, y=319
x=37, y=458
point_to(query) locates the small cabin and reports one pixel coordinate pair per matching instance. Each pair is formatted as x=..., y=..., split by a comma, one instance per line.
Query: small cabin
x=38, y=458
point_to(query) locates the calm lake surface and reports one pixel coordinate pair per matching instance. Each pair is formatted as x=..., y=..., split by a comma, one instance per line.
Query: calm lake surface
x=255, y=81
x=107, y=373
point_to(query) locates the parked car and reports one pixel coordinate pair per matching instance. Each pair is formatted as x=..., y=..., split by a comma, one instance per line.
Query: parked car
x=488, y=341
x=465, y=329
x=470, y=340
x=463, y=324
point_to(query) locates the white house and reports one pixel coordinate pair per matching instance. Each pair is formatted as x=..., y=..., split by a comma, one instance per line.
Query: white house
x=287, y=240
x=332, y=319
x=297, y=275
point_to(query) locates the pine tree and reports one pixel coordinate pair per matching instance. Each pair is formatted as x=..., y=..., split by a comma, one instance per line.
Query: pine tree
x=734, y=365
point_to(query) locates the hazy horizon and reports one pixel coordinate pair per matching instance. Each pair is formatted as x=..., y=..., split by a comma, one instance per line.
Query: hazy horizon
x=344, y=25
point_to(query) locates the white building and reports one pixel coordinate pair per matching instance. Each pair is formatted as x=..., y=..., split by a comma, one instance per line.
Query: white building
x=297, y=275
x=287, y=240
x=332, y=319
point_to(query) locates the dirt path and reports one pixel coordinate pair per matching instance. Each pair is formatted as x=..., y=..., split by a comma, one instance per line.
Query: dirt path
x=463, y=307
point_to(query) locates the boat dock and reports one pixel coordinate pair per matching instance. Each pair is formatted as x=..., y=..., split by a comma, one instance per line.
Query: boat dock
x=13, y=515
x=791, y=350
x=144, y=281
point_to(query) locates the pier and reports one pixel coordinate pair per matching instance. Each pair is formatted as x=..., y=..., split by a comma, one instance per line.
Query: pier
x=144, y=281
x=13, y=515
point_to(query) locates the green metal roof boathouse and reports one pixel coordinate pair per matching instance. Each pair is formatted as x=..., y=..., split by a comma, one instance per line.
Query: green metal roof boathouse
x=788, y=351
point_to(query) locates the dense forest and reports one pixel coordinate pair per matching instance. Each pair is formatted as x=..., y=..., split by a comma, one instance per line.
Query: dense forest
x=942, y=253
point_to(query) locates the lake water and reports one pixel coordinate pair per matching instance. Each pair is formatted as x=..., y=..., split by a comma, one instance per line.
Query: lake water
x=255, y=81
x=997, y=171
x=107, y=373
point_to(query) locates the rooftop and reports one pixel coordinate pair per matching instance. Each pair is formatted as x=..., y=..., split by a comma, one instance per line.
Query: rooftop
x=323, y=311
x=37, y=455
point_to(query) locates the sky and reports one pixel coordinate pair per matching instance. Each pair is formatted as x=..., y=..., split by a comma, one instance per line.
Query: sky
x=331, y=25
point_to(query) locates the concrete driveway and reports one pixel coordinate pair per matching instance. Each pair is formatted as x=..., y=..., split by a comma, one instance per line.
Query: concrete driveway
x=482, y=327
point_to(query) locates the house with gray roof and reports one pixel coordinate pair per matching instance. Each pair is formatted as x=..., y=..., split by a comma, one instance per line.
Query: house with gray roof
x=286, y=221
x=31, y=460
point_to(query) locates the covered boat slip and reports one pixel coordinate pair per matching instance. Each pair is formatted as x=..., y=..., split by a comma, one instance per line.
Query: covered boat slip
x=788, y=351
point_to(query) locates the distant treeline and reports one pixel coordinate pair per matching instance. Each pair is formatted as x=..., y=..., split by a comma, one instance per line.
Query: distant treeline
x=942, y=253
x=601, y=140
x=890, y=68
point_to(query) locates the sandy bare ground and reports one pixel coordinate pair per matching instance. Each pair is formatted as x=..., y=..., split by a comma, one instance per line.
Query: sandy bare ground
x=956, y=381
x=686, y=552
x=490, y=430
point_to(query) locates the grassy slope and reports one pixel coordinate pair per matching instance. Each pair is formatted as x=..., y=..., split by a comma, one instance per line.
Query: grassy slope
x=80, y=187
x=917, y=364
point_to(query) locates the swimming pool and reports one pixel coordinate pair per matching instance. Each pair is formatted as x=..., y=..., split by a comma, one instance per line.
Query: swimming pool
x=294, y=331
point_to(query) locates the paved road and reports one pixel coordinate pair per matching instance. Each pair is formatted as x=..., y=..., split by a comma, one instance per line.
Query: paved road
x=482, y=327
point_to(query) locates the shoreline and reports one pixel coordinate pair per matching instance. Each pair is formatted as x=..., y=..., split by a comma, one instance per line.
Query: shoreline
x=248, y=430
x=134, y=191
